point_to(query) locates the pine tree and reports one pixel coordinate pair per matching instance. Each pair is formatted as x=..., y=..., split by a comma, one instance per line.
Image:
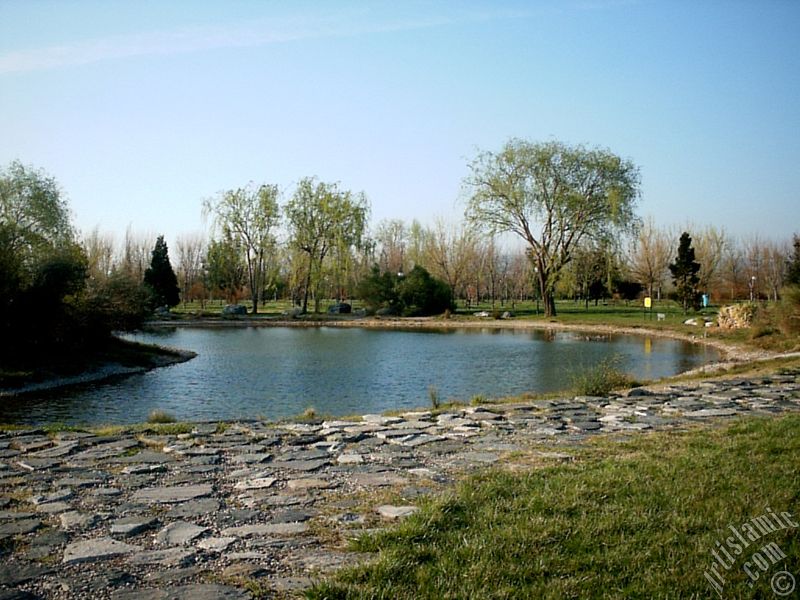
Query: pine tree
x=160, y=277
x=684, y=273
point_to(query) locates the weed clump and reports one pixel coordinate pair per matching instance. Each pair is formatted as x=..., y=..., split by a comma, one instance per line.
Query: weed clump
x=160, y=416
x=602, y=378
x=433, y=395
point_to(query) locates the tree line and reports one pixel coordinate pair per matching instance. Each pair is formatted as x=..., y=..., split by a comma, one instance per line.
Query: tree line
x=542, y=221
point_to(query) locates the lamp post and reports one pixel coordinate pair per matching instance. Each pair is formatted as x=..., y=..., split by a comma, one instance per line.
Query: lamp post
x=752, y=284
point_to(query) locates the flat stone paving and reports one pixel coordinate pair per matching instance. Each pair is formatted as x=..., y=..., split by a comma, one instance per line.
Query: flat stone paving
x=200, y=515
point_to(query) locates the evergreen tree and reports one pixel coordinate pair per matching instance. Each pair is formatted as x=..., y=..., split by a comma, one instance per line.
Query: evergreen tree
x=160, y=277
x=684, y=273
x=793, y=266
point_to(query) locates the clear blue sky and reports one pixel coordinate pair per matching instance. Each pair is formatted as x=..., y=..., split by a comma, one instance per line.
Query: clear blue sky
x=142, y=109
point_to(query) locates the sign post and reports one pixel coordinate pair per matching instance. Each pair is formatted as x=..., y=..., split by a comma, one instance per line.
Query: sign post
x=648, y=304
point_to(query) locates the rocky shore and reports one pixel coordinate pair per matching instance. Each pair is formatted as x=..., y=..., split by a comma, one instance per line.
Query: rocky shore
x=228, y=510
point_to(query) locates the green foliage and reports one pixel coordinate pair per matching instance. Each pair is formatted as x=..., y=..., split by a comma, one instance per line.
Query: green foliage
x=324, y=220
x=634, y=518
x=421, y=294
x=34, y=216
x=601, y=379
x=684, y=274
x=47, y=311
x=577, y=194
x=248, y=217
x=160, y=277
x=225, y=267
x=379, y=290
x=117, y=303
x=413, y=295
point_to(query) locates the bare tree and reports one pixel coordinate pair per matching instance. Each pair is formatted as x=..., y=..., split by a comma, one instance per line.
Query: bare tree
x=191, y=249
x=753, y=258
x=774, y=257
x=136, y=250
x=649, y=257
x=448, y=251
x=710, y=245
x=732, y=269
x=100, y=250
x=391, y=236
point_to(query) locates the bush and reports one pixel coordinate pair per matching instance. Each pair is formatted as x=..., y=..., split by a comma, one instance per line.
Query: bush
x=421, y=295
x=416, y=294
x=601, y=379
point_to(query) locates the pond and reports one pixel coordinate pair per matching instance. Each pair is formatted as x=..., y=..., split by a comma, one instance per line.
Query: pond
x=276, y=372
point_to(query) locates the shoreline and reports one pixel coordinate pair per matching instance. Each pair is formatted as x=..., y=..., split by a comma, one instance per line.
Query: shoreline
x=730, y=355
x=104, y=371
x=728, y=351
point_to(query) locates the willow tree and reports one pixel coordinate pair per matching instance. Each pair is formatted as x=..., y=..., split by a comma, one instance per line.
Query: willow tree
x=554, y=196
x=249, y=216
x=323, y=219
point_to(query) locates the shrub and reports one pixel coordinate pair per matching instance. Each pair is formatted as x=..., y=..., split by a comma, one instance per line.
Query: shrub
x=601, y=379
x=421, y=294
x=416, y=294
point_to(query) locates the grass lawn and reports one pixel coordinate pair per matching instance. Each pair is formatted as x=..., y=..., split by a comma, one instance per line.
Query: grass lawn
x=634, y=518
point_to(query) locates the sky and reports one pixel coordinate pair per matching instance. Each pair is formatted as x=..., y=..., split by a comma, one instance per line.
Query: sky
x=141, y=110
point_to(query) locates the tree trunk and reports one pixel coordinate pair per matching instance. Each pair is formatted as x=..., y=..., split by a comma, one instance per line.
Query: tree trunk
x=547, y=294
x=549, y=304
x=308, y=286
x=255, y=303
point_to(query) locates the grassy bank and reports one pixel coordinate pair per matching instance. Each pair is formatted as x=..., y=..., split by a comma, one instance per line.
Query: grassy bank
x=636, y=518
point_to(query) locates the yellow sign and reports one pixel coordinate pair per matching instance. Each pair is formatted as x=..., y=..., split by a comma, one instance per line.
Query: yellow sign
x=648, y=302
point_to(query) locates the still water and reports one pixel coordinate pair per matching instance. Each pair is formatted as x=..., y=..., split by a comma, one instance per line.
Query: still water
x=277, y=372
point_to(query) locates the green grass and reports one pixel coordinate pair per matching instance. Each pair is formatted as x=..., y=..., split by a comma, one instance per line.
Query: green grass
x=626, y=519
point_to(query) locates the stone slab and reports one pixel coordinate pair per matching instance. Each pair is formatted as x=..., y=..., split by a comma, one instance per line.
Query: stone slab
x=171, y=495
x=96, y=549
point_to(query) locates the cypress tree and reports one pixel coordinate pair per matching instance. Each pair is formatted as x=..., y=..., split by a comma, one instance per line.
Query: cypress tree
x=684, y=273
x=160, y=277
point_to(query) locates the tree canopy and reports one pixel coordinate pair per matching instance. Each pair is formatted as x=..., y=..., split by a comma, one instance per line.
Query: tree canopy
x=552, y=195
x=322, y=218
x=249, y=215
x=33, y=214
